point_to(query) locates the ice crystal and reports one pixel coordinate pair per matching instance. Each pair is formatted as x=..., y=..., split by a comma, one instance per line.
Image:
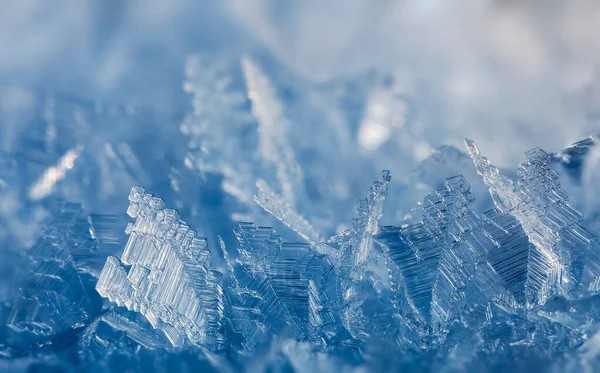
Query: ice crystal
x=565, y=257
x=54, y=295
x=277, y=286
x=438, y=266
x=168, y=278
x=460, y=282
x=355, y=271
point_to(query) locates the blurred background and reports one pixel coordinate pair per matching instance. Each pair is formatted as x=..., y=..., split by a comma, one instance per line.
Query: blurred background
x=97, y=96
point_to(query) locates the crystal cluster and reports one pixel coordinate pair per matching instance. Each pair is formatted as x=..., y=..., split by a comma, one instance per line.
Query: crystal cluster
x=358, y=286
x=54, y=295
x=448, y=267
x=564, y=256
x=438, y=266
x=277, y=286
x=168, y=276
x=447, y=289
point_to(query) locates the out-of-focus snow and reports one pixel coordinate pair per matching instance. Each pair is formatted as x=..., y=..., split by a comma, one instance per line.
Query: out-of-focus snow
x=501, y=72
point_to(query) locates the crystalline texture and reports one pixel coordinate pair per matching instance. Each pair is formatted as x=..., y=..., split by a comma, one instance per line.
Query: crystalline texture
x=284, y=212
x=132, y=329
x=515, y=259
x=464, y=281
x=357, y=243
x=277, y=286
x=437, y=267
x=54, y=295
x=168, y=277
x=569, y=240
x=562, y=245
x=355, y=256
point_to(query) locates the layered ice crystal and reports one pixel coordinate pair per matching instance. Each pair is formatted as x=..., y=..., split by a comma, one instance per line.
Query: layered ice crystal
x=565, y=256
x=54, y=295
x=438, y=266
x=354, y=258
x=277, y=286
x=455, y=290
x=165, y=274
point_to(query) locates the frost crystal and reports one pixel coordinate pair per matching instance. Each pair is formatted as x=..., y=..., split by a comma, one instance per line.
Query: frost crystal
x=284, y=212
x=272, y=129
x=438, y=267
x=54, y=296
x=454, y=285
x=280, y=196
x=516, y=261
x=168, y=277
x=277, y=286
x=355, y=260
x=565, y=255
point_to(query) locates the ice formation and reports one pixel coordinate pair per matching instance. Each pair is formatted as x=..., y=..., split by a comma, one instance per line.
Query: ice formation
x=437, y=270
x=53, y=296
x=356, y=278
x=438, y=266
x=277, y=286
x=168, y=278
x=564, y=257
x=522, y=275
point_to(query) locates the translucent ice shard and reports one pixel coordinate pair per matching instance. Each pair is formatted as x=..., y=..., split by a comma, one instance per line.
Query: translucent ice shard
x=277, y=286
x=168, y=277
x=501, y=187
x=284, y=212
x=518, y=262
x=101, y=337
x=54, y=295
x=132, y=329
x=551, y=223
x=575, y=246
x=355, y=259
x=577, y=166
x=105, y=235
x=465, y=281
x=438, y=266
x=574, y=156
